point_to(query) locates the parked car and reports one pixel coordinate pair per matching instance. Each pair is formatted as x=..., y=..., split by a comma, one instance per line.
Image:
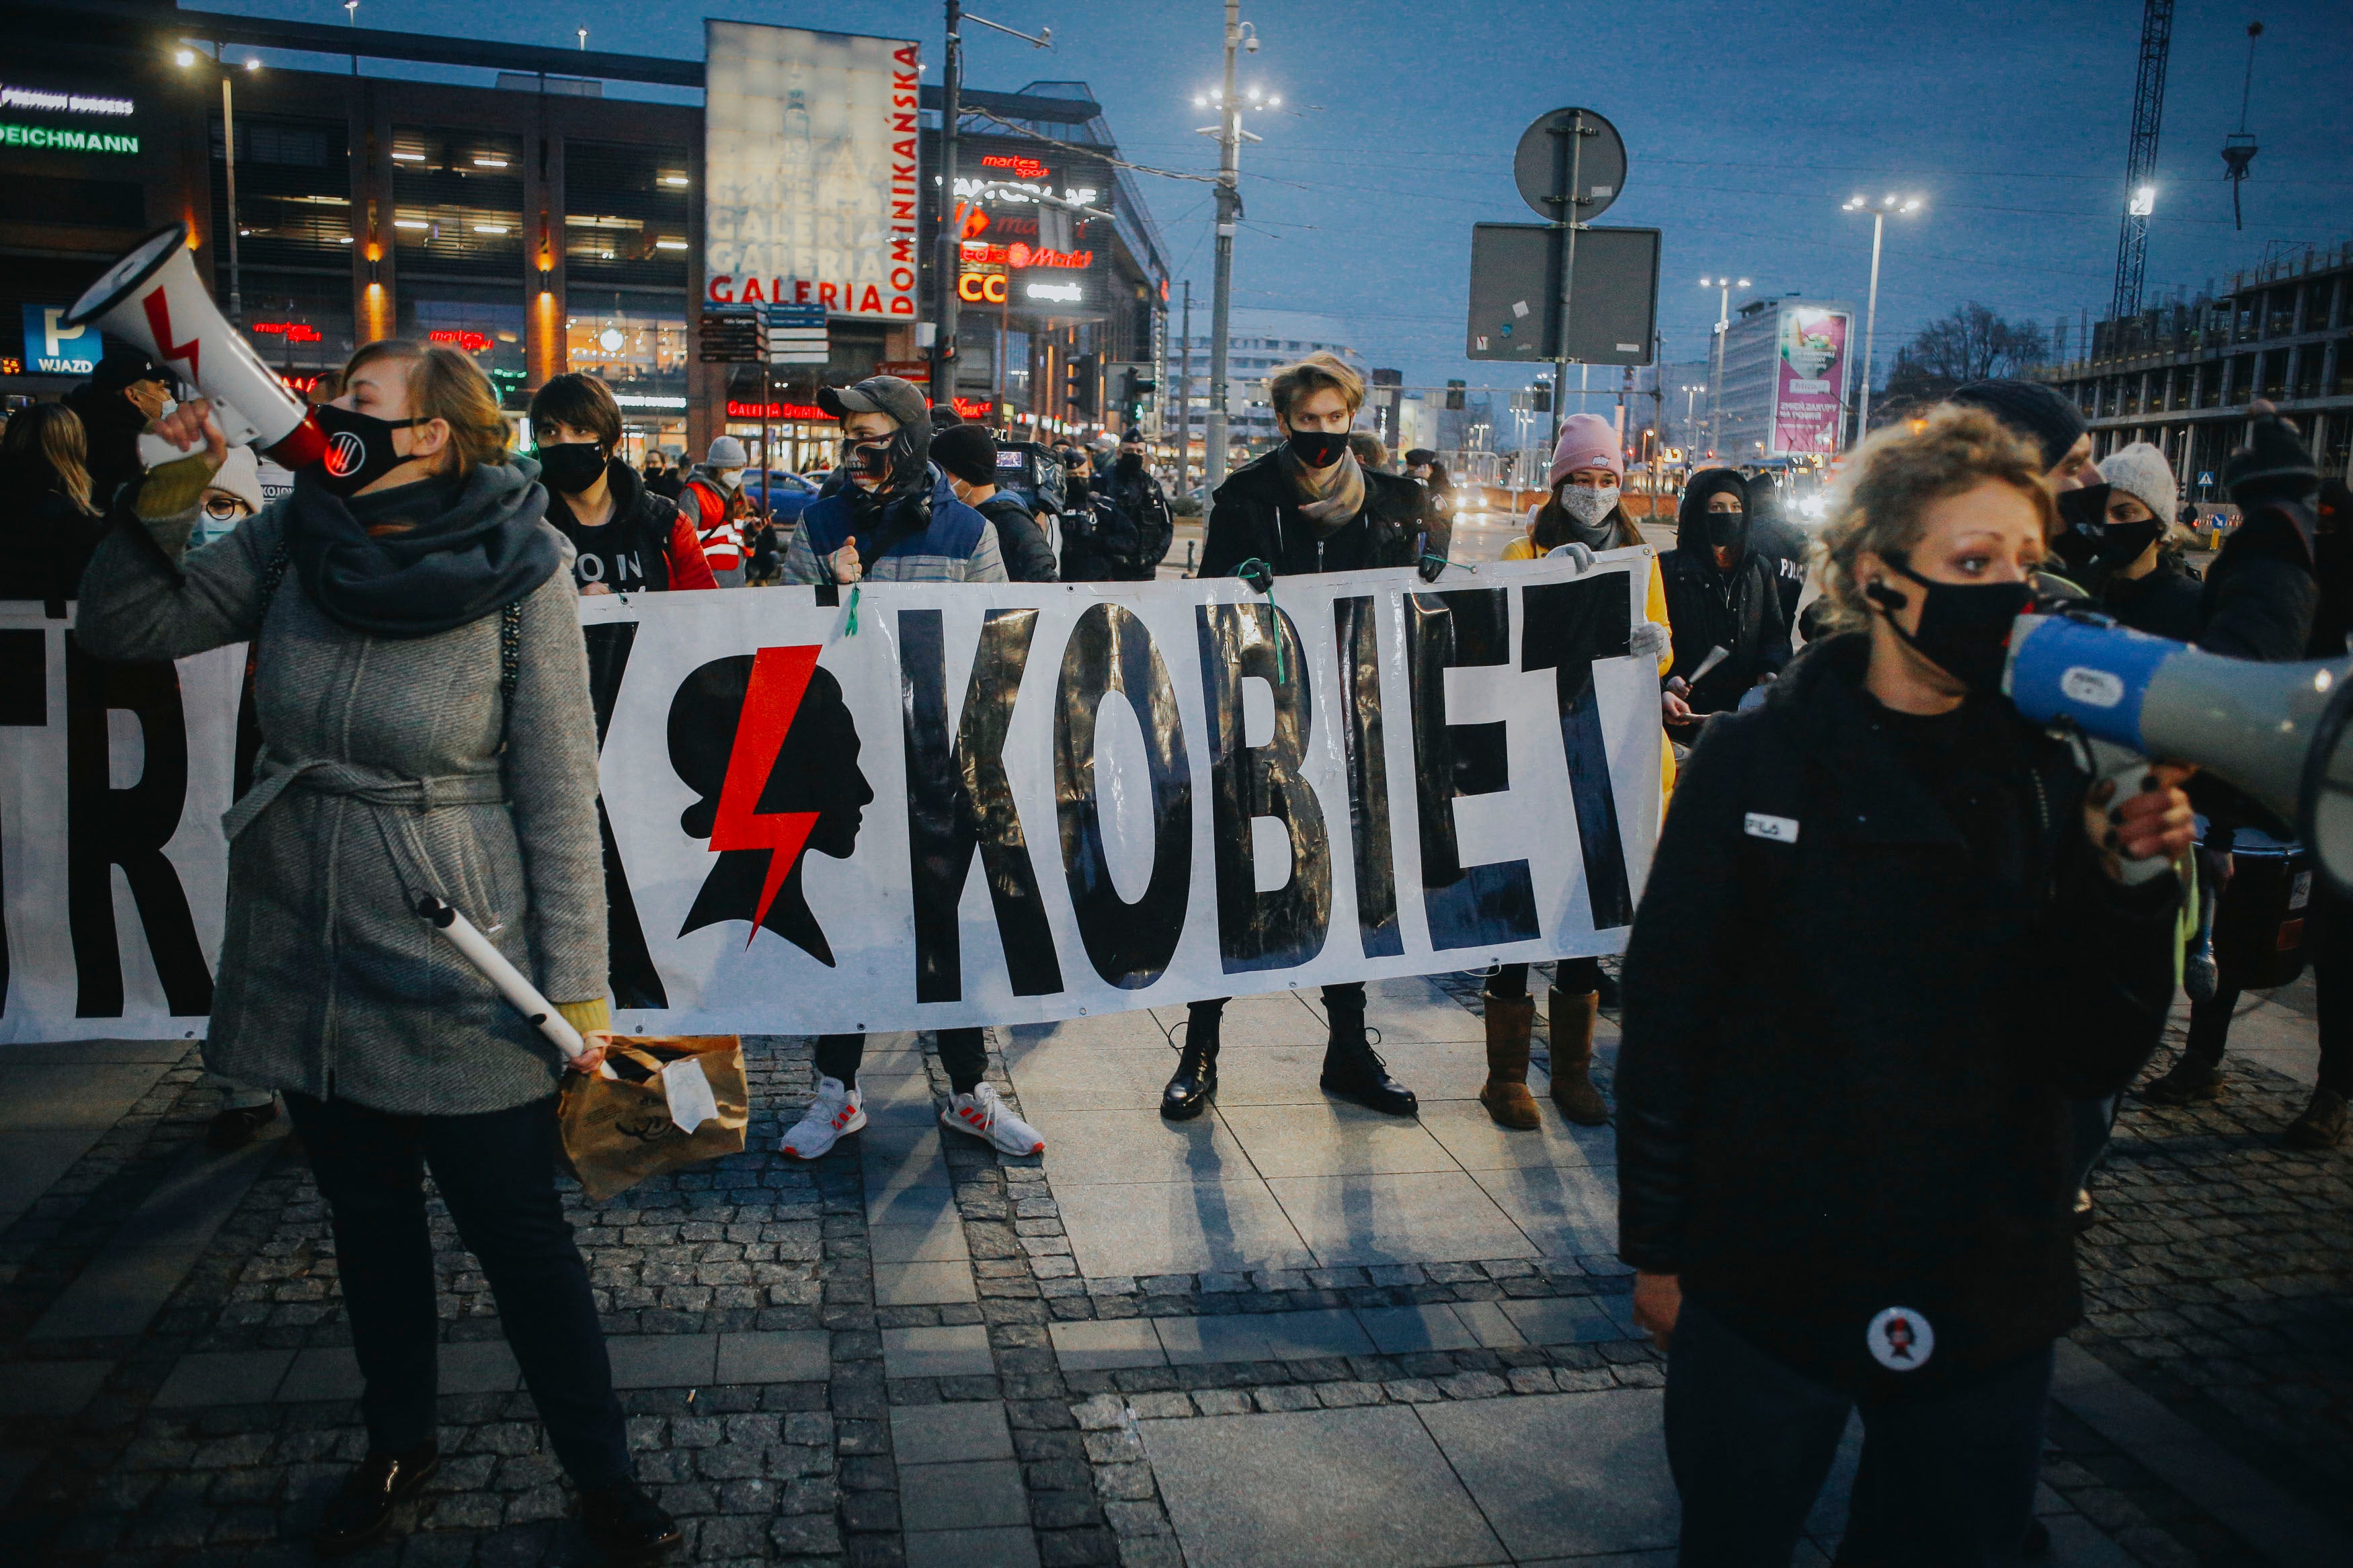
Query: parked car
x=792, y=493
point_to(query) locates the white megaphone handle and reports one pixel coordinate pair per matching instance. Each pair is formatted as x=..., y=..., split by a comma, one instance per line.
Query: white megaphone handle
x=494, y=966
x=2124, y=768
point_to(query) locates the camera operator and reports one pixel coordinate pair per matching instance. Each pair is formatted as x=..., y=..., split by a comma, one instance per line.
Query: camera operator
x=1856, y=1195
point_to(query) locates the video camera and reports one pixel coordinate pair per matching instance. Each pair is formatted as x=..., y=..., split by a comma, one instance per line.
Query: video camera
x=1033, y=472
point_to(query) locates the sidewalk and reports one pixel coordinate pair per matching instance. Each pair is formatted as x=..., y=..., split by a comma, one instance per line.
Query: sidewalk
x=1290, y=1333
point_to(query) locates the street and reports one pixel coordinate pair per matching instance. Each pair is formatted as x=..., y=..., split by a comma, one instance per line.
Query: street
x=1266, y=1337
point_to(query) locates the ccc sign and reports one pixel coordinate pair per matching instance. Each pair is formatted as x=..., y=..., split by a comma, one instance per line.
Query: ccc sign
x=981, y=287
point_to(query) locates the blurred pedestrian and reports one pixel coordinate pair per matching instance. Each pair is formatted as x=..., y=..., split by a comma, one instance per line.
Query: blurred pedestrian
x=1438, y=518
x=114, y=405
x=1855, y=1197
x=1784, y=547
x=49, y=519
x=421, y=685
x=233, y=495
x=1724, y=599
x=712, y=499
x=624, y=538
x=1370, y=454
x=1308, y=506
x=967, y=453
x=2044, y=417
x=897, y=520
x=660, y=477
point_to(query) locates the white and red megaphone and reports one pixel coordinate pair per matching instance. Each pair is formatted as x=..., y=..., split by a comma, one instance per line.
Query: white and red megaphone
x=153, y=299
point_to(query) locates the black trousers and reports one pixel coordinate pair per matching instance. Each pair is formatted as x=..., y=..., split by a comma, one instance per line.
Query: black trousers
x=497, y=1173
x=1946, y=1481
x=1339, y=1002
x=963, y=1052
x=1570, y=977
x=2328, y=935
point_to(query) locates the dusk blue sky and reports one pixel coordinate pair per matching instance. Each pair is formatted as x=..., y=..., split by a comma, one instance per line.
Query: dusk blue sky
x=1746, y=125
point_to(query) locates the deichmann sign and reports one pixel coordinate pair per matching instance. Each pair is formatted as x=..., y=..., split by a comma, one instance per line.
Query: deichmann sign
x=993, y=804
x=57, y=139
x=1809, y=374
x=809, y=170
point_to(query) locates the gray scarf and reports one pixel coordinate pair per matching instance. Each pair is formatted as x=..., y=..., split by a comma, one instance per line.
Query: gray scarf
x=423, y=558
x=1331, y=501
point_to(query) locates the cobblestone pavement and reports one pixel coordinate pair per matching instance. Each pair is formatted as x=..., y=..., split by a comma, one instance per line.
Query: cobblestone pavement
x=1288, y=1333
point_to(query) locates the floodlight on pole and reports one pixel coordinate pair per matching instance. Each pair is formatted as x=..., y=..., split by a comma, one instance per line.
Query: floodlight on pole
x=1724, y=287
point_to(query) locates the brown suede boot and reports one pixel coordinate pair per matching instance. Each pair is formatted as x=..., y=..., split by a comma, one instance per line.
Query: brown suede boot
x=1506, y=1095
x=1572, y=1055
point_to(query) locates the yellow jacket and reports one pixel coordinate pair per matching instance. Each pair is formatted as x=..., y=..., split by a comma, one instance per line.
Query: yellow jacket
x=1654, y=607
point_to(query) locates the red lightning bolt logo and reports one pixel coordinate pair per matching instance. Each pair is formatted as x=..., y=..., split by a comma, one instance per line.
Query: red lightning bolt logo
x=779, y=678
x=159, y=321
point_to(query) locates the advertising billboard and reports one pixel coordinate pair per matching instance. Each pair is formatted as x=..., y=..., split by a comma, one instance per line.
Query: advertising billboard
x=1809, y=377
x=809, y=170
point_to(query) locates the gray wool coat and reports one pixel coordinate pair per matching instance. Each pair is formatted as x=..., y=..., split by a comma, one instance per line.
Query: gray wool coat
x=328, y=984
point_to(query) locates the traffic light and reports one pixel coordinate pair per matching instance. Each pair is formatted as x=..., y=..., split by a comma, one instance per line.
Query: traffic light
x=1079, y=383
x=1454, y=390
x=1541, y=401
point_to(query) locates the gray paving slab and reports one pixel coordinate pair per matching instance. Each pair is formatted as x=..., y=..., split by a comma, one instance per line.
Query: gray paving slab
x=1332, y=1139
x=37, y=1157
x=929, y=1203
x=58, y=1094
x=52, y=1388
x=1179, y=1227
x=972, y=1495
x=1421, y=1218
x=1613, y=1560
x=956, y=1351
x=775, y=1355
x=2240, y=1498
x=1320, y=1331
x=662, y=1361
x=117, y=1294
x=321, y=1374
x=1466, y=1132
x=1097, y=1148
x=941, y=1241
x=88, y=1053
x=923, y=1284
x=1564, y=1474
x=949, y=1434
x=1562, y=1321
x=1486, y=1319
x=1093, y=1345
x=1011, y=1546
x=223, y=1377
x=1401, y=1330
x=1199, y=1341
x=1569, y=1211
x=1325, y=1488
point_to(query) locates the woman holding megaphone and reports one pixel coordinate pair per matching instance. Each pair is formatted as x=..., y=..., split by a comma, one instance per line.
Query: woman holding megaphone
x=1857, y=1197
x=422, y=689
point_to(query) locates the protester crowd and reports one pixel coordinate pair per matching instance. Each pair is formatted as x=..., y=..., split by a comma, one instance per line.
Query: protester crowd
x=1884, y=989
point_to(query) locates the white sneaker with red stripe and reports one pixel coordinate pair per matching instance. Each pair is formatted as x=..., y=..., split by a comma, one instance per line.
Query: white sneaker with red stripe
x=838, y=1110
x=982, y=1115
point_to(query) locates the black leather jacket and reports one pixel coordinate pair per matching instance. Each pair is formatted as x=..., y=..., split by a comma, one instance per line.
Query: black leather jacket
x=1254, y=515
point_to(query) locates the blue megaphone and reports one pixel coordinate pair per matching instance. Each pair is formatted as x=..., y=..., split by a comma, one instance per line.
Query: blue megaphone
x=2276, y=731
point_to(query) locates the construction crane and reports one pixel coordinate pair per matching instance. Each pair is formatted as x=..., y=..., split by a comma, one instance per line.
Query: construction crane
x=2140, y=162
x=2239, y=148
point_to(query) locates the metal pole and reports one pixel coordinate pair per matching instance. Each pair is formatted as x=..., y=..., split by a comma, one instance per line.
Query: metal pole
x=228, y=153
x=1566, y=217
x=1230, y=144
x=951, y=250
x=1870, y=329
x=1184, y=389
x=1716, y=381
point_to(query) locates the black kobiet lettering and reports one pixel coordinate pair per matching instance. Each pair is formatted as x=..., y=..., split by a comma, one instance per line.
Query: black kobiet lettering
x=1366, y=752
x=1570, y=625
x=1109, y=649
x=1467, y=906
x=959, y=800
x=106, y=828
x=629, y=964
x=1286, y=926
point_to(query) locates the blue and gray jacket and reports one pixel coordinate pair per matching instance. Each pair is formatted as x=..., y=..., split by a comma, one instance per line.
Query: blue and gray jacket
x=934, y=539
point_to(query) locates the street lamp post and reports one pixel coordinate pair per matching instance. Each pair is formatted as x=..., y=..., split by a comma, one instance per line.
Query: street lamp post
x=1724, y=287
x=1239, y=35
x=228, y=162
x=949, y=264
x=1879, y=211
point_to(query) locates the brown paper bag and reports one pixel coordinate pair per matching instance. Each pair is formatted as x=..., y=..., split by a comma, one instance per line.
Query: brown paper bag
x=618, y=1132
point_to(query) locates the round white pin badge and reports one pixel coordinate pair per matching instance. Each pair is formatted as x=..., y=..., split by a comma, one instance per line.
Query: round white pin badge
x=1900, y=1340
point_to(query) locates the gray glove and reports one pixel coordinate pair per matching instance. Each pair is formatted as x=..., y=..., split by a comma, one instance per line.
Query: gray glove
x=1648, y=640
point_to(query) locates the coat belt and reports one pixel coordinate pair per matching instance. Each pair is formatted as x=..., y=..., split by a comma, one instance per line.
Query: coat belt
x=377, y=786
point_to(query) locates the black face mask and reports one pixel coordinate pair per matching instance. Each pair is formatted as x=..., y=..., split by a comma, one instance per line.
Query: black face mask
x=1963, y=627
x=1131, y=464
x=1728, y=530
x=1319, y=449
x=571, y=466
x=359, y=448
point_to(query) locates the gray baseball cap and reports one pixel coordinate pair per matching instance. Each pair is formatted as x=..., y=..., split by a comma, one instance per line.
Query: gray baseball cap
x=877, y=394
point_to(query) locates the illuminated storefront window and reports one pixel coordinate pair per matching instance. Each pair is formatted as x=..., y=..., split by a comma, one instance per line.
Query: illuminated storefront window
x=457, y=202
x=634, y=344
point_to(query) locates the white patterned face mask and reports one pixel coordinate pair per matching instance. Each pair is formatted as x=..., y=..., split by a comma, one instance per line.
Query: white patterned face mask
x=1588, y=505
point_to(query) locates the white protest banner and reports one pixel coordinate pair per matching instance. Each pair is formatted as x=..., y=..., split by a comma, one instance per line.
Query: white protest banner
x=989, y=804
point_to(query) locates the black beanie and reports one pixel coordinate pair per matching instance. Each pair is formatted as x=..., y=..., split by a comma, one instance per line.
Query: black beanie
x=2031, y=409
x=968, y=452
x=2273, y=465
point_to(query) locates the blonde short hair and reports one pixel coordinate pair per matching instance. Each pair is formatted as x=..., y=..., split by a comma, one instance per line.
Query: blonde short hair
x=444, y=383
x=1319, y=370
x=1881, y=506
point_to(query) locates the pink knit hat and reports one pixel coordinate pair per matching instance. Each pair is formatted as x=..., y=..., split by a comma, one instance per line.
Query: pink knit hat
x=1587, y=441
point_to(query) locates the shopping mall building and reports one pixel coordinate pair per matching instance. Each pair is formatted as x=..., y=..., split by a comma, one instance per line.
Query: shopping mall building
x=540, y=208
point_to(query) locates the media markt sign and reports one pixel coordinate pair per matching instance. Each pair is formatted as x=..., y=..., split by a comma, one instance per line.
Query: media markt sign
x=53, y=350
